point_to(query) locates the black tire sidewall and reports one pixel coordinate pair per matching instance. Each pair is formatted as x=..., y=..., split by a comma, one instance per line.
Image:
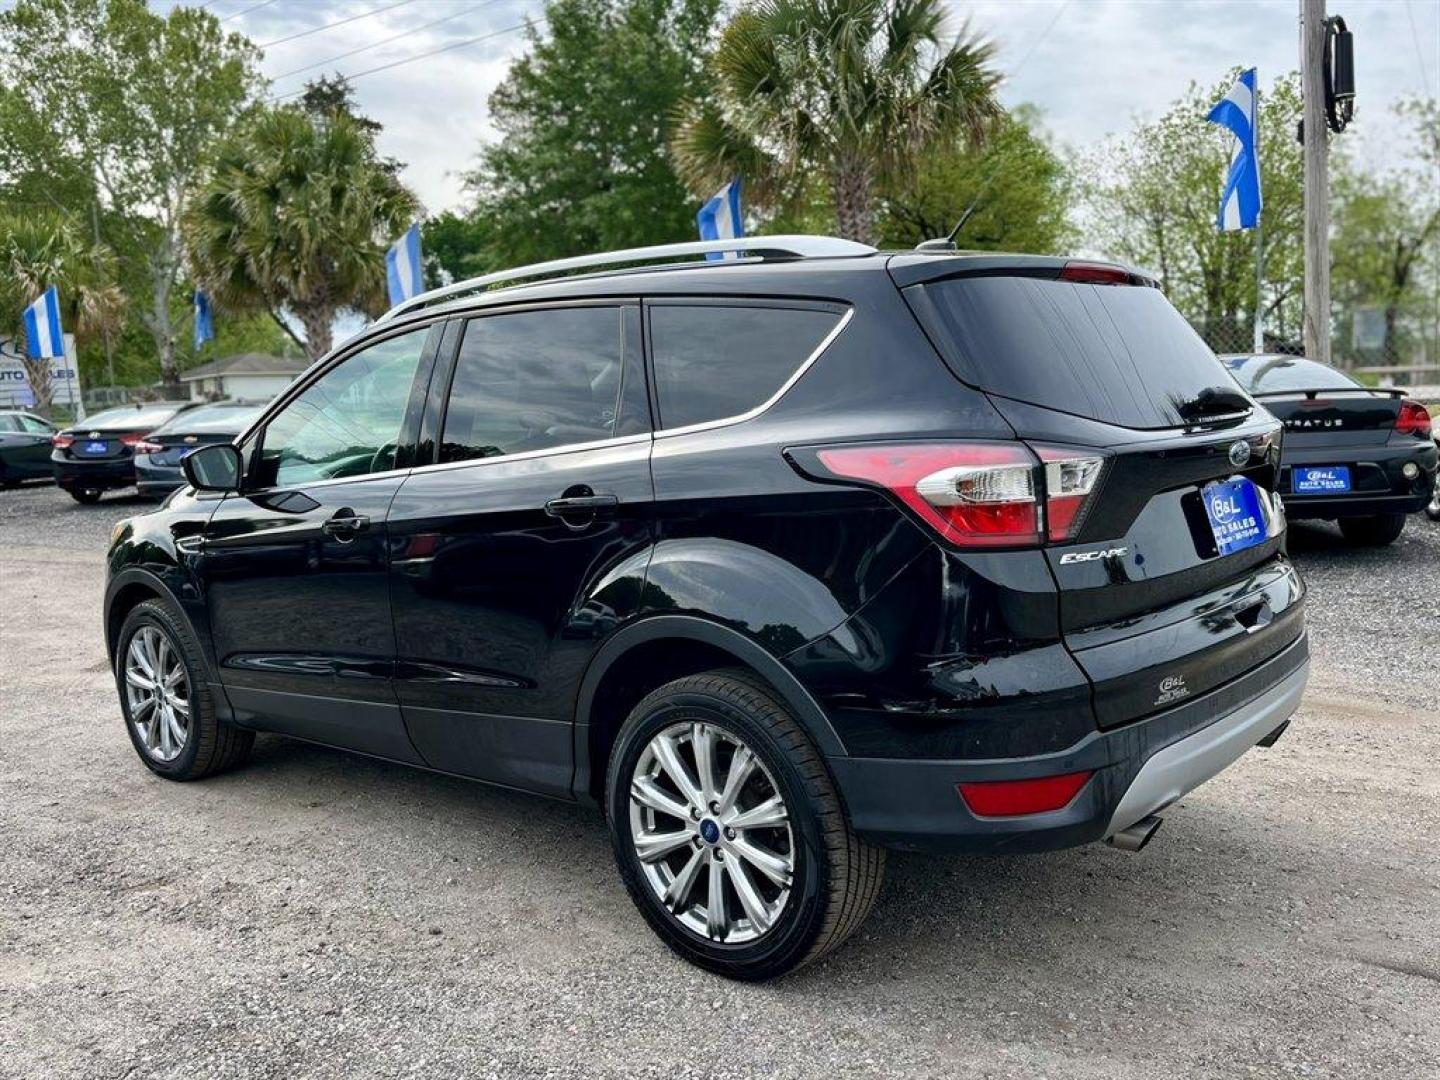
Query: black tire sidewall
x=1373, y=530
x=786, y=943
x=154, y=613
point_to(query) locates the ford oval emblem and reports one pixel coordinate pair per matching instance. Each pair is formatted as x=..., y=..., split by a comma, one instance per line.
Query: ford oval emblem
x=1239, y=452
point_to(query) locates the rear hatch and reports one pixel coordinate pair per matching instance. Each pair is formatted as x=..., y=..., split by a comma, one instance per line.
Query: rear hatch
x=1171, y=582
x=176, y=447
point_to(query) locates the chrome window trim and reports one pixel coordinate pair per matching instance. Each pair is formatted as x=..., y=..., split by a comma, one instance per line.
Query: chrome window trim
x=527, y=455
x=764, y=406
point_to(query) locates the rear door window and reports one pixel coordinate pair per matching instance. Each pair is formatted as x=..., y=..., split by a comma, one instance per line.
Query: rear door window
x=714, y=361
x=1120, y=354
x=535, y=380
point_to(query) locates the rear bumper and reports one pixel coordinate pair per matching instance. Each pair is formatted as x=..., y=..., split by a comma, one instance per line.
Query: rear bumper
x=1380, y=485
x=1138, y=769
x=77, y=475
x=158, y=479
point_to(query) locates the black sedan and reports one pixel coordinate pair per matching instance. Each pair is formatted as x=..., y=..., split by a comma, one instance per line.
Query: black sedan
x=97, y=454
x=24, y=447
x=158, y=455
x=1360, y=456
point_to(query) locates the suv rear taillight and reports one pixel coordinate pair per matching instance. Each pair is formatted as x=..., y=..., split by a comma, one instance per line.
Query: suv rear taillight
x=973, y=494
x=145, y=446
x=1070, y=479
x=62, y=442
x=979, y=494
x=1413, y=419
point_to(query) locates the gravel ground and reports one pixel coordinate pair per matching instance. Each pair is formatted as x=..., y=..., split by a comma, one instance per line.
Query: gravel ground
x=324, y=915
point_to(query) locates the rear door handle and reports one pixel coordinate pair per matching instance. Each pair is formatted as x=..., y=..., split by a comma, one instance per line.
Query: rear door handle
x=344, y=524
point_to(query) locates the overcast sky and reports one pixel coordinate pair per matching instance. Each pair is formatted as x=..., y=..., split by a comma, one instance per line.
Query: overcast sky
x=1092, y=66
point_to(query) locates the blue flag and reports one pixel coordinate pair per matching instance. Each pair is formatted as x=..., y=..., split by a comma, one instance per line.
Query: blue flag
x=43, y=336
x=204, y=322
x=1240, y=198
x=402, y=267
x=719, y=219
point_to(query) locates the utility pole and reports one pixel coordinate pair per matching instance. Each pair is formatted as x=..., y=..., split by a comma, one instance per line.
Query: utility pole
x=105, y=330
x=1317, y=181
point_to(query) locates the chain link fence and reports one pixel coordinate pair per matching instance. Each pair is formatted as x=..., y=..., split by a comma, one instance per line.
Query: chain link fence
x=1382, y=346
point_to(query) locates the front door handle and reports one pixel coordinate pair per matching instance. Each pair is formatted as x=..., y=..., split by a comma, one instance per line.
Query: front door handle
x=344, y=524
x=575, y=505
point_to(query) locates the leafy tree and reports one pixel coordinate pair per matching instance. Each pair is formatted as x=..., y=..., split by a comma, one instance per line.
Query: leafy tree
x=294, y=215
x=1386, y=246
x=583, y=118
x=1154, y=202
x=45, y=248
x=1013, y=194
x=452, y=247
x=860, y=91
x=107, y=89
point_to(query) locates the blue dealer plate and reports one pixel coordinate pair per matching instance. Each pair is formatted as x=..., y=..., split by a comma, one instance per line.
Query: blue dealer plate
x=97, y=447
x=1236, y=519
x=1321, y=480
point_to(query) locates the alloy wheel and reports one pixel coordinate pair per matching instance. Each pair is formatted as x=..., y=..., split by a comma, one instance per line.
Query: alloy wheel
x=711, y=832
x=157, y=692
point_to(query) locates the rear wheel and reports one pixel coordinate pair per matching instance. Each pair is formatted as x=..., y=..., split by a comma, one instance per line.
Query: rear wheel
x=88, y=496
x=169, y=711
x=1376, y=530
x=728, y=830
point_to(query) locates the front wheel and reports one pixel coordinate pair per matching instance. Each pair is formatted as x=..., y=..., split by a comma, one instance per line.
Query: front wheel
x=728, y=830
x=1376, y=530
x=169, y=710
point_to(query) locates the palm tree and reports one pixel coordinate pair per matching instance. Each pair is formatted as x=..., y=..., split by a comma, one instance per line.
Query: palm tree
x=295, y=215
x=43, y=248
x=856, y=90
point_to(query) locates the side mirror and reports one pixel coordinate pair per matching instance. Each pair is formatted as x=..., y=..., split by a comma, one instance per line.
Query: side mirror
x=213, y=468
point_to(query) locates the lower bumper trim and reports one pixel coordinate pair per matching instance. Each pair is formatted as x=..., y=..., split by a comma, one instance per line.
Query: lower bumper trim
x=1183, y=766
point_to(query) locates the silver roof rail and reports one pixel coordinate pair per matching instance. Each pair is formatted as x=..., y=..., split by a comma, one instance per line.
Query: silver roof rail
x=804, y=247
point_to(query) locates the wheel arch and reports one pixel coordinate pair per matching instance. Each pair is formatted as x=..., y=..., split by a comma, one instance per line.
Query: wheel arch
x=654, y=651
x=128, y=590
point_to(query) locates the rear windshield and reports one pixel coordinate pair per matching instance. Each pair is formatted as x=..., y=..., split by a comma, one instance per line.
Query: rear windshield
x=224, y=419
x=1120, y=354
x=1280, y=374
x=146, y=417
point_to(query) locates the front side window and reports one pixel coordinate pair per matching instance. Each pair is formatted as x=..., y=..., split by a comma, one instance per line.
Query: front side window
x=717, y=361
x=346, y=423
x=533, y=380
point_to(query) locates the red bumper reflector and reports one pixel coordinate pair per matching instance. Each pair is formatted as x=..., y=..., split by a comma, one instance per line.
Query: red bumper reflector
x=1013, y=798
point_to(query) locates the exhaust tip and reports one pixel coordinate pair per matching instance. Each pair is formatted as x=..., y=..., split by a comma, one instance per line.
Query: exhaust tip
x=1136, y=836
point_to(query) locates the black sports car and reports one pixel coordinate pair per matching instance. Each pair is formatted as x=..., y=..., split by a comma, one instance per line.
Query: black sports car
x=24, y=447
x=158, y=455
x=1358, y=455
x=97, y=454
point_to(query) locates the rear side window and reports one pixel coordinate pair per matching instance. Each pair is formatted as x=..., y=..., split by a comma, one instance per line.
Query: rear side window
x=715, y=361
x=534, y=380
x=1120, y=354
x=1279, y=374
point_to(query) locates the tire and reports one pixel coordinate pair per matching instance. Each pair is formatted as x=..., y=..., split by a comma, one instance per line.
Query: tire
x=210, y=744
x=1376, y=530
x=86, y=496
x=834, y=876
x=1432, y=508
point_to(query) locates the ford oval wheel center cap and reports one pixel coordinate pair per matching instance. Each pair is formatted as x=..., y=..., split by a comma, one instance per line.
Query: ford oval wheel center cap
x=710, y=831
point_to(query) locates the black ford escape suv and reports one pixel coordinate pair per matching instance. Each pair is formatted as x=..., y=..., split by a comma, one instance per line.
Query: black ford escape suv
x=781, y=561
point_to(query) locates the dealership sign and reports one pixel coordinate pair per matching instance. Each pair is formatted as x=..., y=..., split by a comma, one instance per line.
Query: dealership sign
x=15, y=389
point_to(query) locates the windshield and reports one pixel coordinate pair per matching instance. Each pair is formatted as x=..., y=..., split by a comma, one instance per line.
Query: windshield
x=1120, y=354
x=1278, y=374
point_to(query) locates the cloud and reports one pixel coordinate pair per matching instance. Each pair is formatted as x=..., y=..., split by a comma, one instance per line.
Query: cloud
x=1101, y=65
